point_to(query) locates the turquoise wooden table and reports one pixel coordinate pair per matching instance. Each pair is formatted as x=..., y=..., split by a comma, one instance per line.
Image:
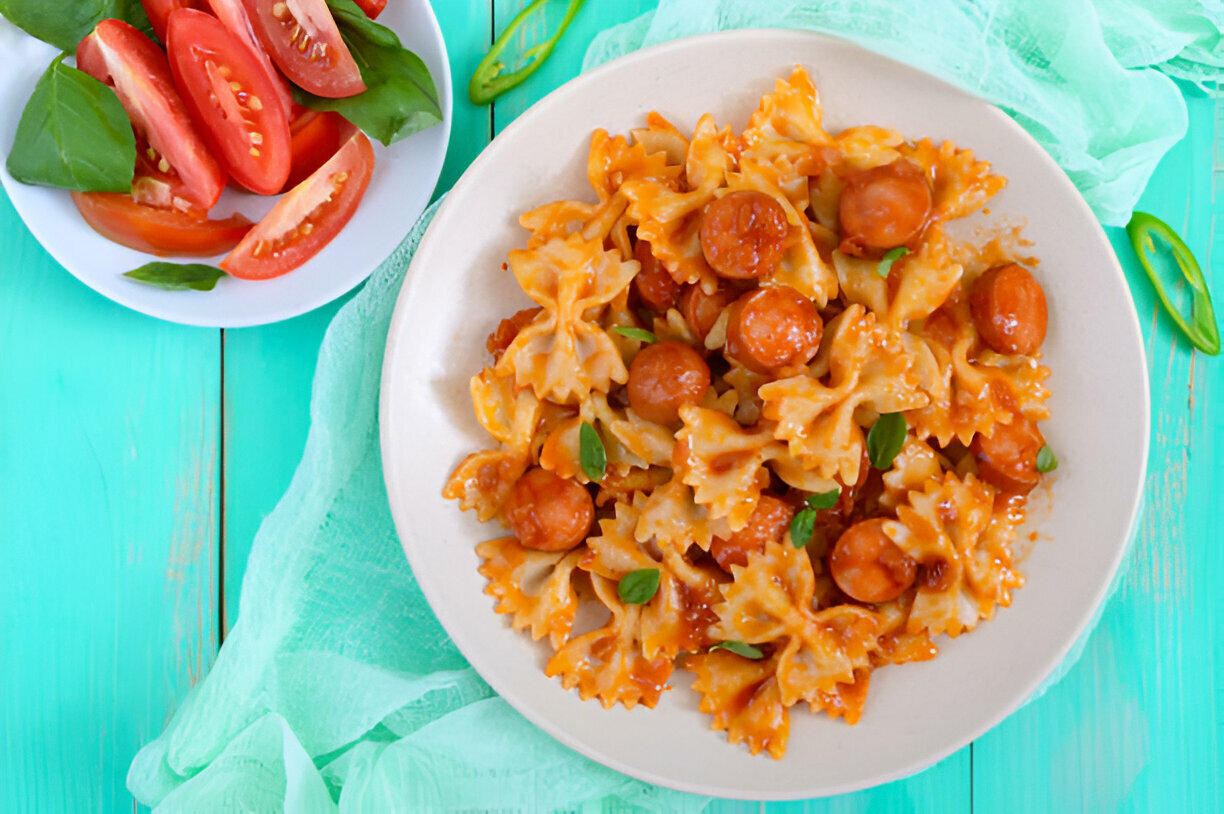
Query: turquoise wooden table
x=137, y=459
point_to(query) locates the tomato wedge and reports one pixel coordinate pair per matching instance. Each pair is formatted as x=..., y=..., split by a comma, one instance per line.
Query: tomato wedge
x=118, y=55
x=372, y=8
x=308, y=217
x=164, y=232
x=159, y=10
x=233, y=14
x=315, y=137
x=232, y=100
x=302, y=38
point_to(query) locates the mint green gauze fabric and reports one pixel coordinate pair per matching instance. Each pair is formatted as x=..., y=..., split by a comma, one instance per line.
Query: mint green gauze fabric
x=337, y=689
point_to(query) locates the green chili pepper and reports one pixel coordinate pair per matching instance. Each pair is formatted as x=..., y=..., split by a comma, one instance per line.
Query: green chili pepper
x=489, y=81
x=1202, y=329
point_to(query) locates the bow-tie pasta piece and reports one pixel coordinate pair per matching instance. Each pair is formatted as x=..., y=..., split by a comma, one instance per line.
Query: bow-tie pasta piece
x=743, y=698
x=534, y=587
x=561, y=355
x=942, y=528
x=608, y=663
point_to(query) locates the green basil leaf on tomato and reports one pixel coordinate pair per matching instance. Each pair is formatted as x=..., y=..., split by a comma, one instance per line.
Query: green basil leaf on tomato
x=73, y=134
x=400, y=97
x=64, y=23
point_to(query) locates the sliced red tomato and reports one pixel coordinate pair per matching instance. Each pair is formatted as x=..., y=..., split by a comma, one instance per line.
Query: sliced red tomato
x=164, y=232
x=156, y=184
x=232, y=100
x=372, y=8
x=159, y=10
x=233, y=14
x=315, y=137
x=308, y=217
x=302, y=39
x=118, y=55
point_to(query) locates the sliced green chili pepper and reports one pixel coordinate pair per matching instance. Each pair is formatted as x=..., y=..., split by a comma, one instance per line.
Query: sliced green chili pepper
x=1202, y=329
x=489, y=81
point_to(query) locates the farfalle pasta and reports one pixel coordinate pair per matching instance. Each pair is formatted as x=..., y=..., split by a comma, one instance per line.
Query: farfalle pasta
x=772, y=421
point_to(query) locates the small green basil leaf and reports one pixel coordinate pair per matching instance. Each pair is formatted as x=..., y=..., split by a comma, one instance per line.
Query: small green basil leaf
x=400, y=97
x=591, y=453
x=1046, y=460
x=638, y=587
x=885, y=439
x=640, y=334
x=64, y=23
x=801, y=527
x=748, y=651
x=824, y=500
x=178, y=276
x=73, y=134
x=890, y=257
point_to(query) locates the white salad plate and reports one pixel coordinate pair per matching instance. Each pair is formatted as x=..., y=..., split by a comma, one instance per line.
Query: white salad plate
x=455, y=293
x=403, y=181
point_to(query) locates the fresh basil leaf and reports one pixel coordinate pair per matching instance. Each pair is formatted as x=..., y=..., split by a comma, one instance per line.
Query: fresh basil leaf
x=1046, y=460
x=824, y=500
x=885, y=439
x=638, y=587
x=748, y=651
x=73, y=134
x=801, y=527
x=64, y=23
x=890, y=257
x=640, y=334
x=178, y=276
x=591, y=452
x=400, y=98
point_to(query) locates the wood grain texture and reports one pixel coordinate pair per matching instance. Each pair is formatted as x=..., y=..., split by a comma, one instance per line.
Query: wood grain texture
x=109, y=431
x=1137, y=724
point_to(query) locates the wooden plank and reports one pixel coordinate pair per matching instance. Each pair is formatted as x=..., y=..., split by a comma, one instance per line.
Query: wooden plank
x=268, y=373
x=269, y=370
x=1136, y=726
x=944, y=787
x=109, y=425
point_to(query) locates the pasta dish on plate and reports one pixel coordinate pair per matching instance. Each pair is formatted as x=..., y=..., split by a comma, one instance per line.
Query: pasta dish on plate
x=772, y=420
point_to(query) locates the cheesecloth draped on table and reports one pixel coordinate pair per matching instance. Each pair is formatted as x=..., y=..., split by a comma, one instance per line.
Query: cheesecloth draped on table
x=338, y=689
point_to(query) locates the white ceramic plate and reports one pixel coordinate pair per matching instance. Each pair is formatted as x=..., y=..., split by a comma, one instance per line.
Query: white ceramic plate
x=404, y=178
x=916, y=714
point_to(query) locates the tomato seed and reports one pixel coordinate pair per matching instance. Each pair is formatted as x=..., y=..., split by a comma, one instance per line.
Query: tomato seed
x=163, y=165
x=307, y=228
x=234, y=86
x=254, y=104
x=255, y=152
x=257, y=138
x=280, y=11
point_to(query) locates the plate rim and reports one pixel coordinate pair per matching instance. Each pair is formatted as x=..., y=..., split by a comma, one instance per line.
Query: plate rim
x=389, y=419
x=41, y=230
